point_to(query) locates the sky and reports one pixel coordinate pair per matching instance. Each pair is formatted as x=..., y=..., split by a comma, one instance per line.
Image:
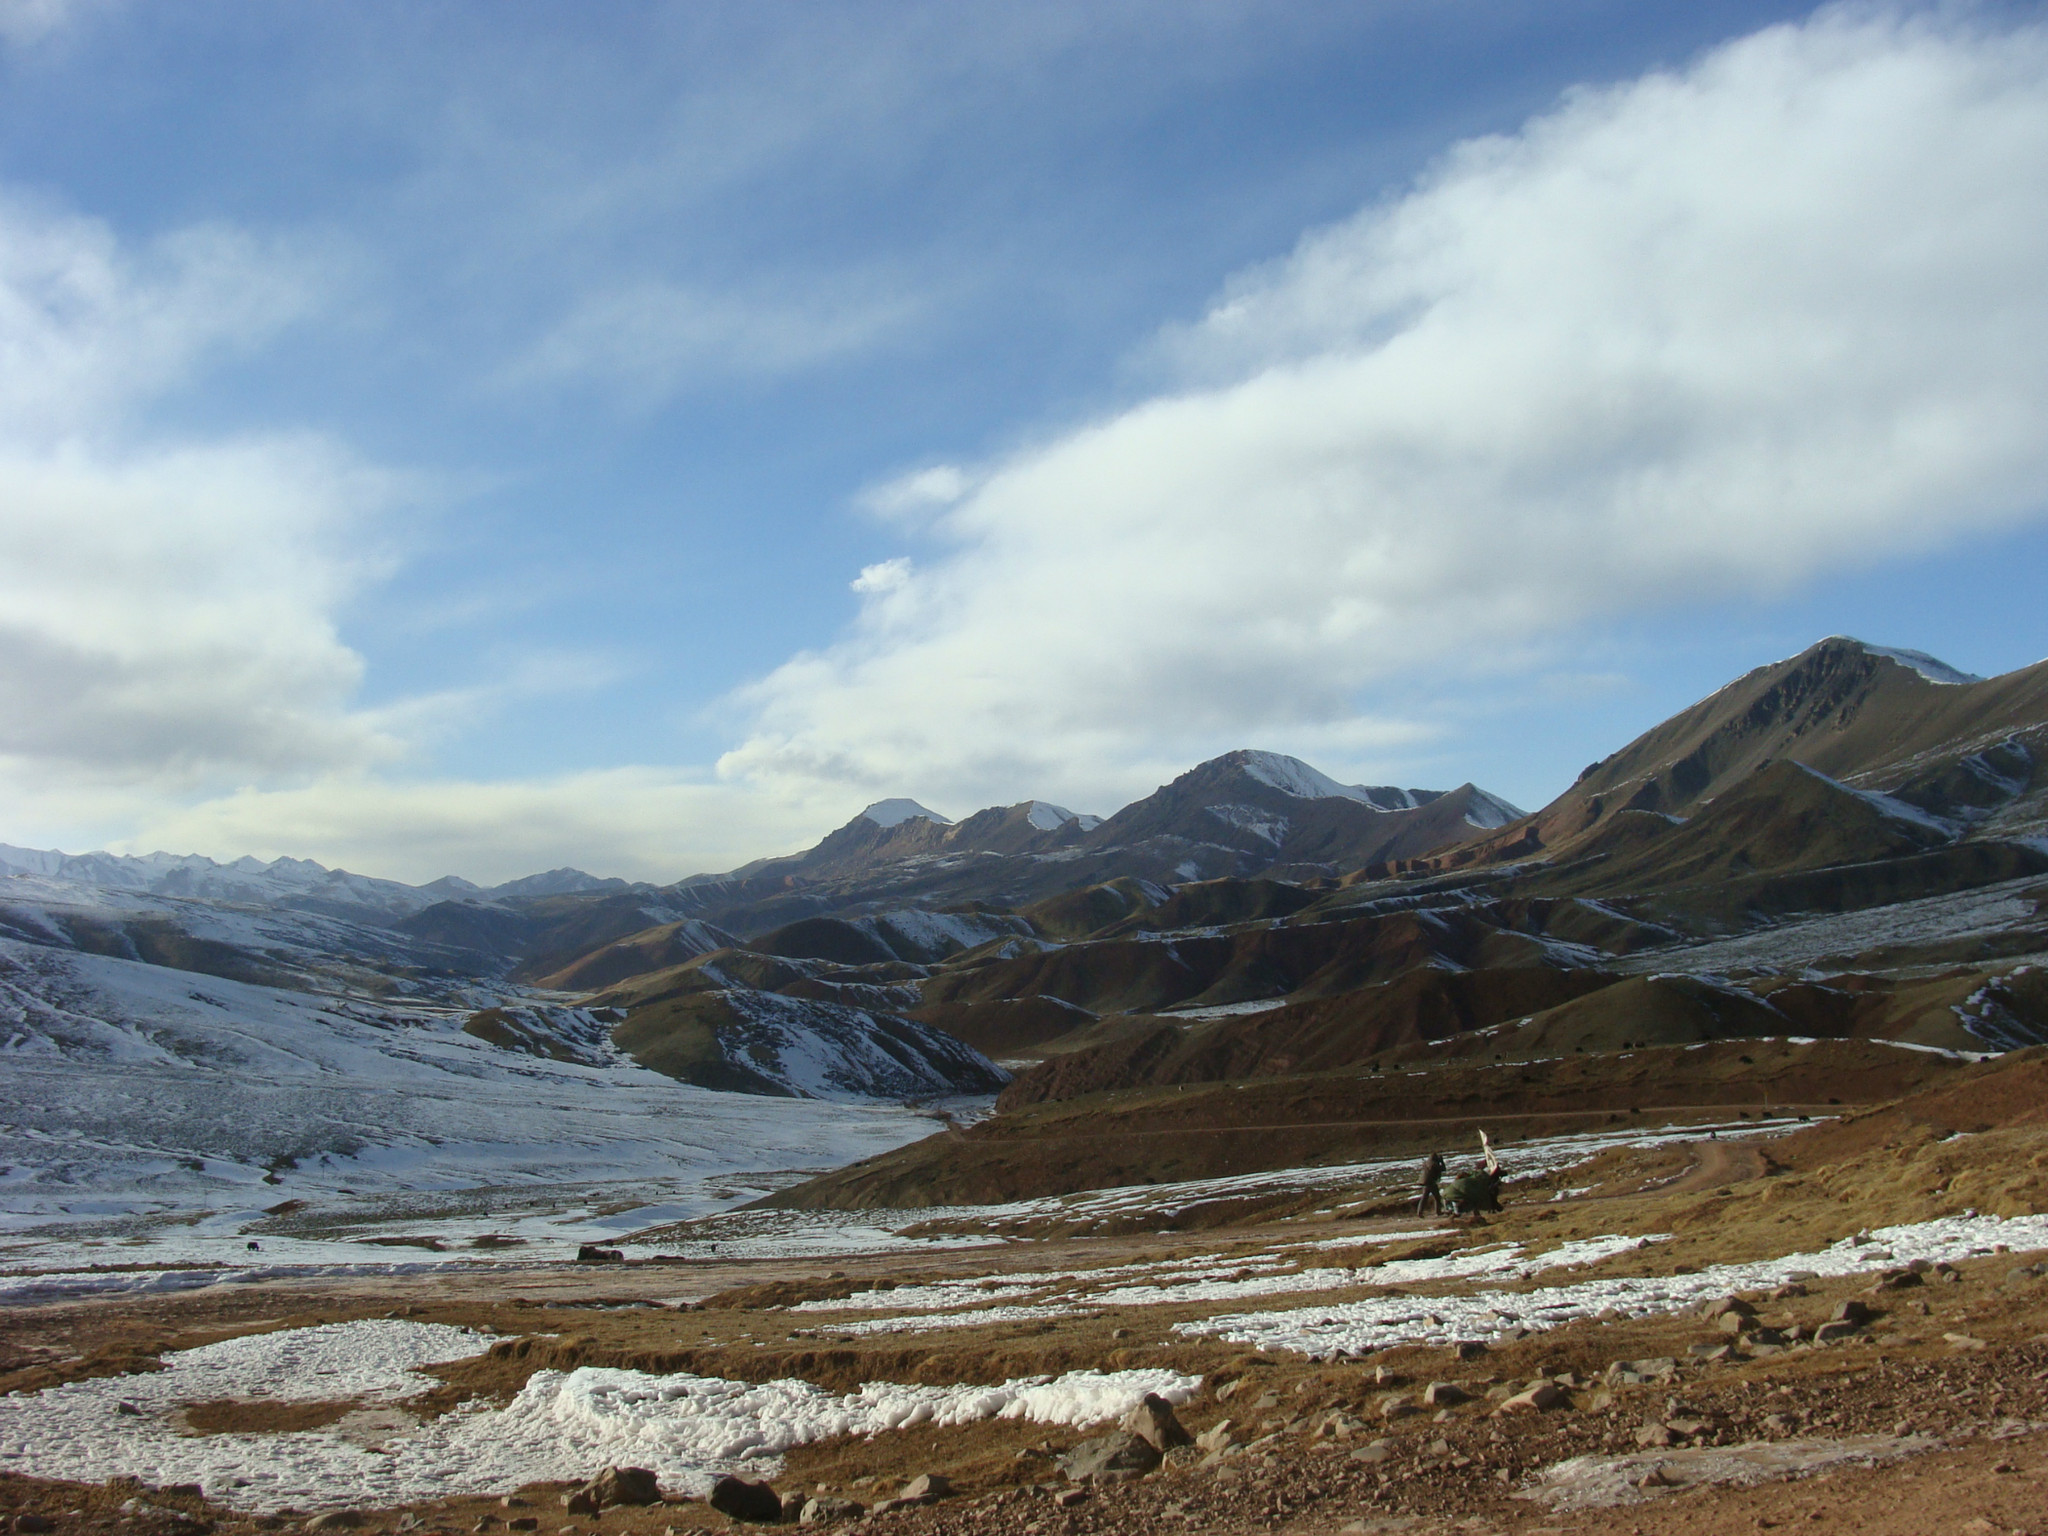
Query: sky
x=477, y=437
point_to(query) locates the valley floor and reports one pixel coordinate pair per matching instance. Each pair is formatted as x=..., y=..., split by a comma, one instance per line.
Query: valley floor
x=1348, y=1366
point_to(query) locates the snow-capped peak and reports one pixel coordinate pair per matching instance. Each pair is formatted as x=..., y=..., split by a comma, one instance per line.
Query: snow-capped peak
x=891, y=813
x=1048, y=817
x=1291, y=776
x=1929, y=667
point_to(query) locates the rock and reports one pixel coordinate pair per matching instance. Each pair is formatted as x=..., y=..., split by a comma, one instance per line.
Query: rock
x=1386, y=1376
x=522, y=1523
x=1778, y=1424
x=755, y=1503
x=1338, y=1425
x=1828, y=1333
x=333, y=1520
x=1113, y=1458
x=930, y=1487
x=1791, y=1290
x=1897, y=1280
x=590, y=1253
x=1468, y=1349
x=623, y=1485
x=1372, y=1455
x=1153, y=1422
x=1398, y=1406
x=1852, y=1312
x=826, y=1508
x=1630, y=1373
x=1069, y=1497
x=511, y=1501
x=1655, y=1436
x=1965, y=1341
x=581, y=1501
x=1540, y=1396
x=1444, y=1394
x=1216, y=1437
x=1737, y=1322
x=1727, y=1306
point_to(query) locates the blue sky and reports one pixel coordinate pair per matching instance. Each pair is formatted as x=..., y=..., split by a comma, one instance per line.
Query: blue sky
x=473, y=438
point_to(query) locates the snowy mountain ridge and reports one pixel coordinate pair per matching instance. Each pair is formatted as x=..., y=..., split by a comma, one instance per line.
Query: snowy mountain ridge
x=280, y=881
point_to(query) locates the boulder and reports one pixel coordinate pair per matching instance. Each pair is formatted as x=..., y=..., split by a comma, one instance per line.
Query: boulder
x=1727, y=1306
x=1540, y=1396
x=1153, y=1422
x=1632, y=1373
x=826, y=1508
x=1399, y=1406
x=590, y=1253
x=623, y=1485
x=333, y=1520
x=1113, y=1458
x=926, y=1488
x=1828, y=1333
x=755, y=1503
x=1444, y=1394
x=1737, y=1322
x=1216, y=1437
x=1852, y=1312
x=581, y=1501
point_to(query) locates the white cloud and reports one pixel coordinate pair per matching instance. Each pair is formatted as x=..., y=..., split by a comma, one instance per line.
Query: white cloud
x=27, y=22
x=918, y=493
x=1718, y=331
x=884, y=576
x=87, y=327
x=641, y=823
x=167, y=609
x=649, y=339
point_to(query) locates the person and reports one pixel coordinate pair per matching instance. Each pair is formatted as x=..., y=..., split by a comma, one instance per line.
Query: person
x=1432, y=1200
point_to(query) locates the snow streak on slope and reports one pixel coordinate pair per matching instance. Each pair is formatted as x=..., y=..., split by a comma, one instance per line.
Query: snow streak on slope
x=136, y=1100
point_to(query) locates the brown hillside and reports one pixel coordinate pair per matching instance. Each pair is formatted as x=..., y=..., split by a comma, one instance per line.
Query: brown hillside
x=652, y=949
x=1326, y=1034
x=1154, y=1135
x=1838, y=707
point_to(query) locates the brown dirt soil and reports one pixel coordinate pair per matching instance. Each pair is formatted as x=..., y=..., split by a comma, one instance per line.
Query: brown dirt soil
x=1162, y=1134
x=235, y=1416
x=1986, y=1398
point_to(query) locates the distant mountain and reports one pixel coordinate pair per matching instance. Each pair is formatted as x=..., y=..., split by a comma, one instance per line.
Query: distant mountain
x=1966, y=751
x=294, y=884
x=1280, y=812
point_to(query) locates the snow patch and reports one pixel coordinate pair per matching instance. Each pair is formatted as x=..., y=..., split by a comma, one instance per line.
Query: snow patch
x=686, y=1428
x=893, y=813
x=1487, y=811
x=1929, y=667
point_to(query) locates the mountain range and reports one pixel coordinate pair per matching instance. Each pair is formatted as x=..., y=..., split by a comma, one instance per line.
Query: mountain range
x=1852, y=842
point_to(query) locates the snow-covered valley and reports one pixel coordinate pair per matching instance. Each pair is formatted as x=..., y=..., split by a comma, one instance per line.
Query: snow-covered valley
x=152, y=1116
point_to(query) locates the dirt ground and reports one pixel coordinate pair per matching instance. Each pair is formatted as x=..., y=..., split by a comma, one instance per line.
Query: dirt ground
x=1950, y=1375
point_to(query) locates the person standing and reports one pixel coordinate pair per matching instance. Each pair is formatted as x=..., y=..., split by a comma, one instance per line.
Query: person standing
x=1432, y=1200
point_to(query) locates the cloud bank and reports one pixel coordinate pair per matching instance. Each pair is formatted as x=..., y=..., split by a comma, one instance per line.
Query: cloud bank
x=1714, y=332
x=166, y=606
